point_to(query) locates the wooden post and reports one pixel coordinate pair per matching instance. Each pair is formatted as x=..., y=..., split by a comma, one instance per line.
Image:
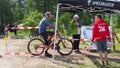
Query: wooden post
x=113, y=35
x=113, y=43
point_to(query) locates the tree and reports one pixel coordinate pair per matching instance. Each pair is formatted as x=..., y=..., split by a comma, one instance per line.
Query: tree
x=64, y=23
x=116, y=20
x=33, y=19
x=40, y=5
x=18, y=16
x=6, y=13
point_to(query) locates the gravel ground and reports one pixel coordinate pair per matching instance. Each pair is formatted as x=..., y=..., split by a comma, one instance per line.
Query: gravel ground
x=28, y=61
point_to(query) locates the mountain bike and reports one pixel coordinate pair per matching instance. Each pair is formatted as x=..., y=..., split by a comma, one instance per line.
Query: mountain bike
x=64, y=46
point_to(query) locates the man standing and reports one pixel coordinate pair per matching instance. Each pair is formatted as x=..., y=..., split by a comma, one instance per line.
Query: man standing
x=100, y=34
x=77, y=36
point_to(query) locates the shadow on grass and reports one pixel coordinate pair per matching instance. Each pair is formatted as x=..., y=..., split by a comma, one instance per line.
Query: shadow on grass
x=80, y=60
x=117, y=51
x=69, y=61
x=96, y=62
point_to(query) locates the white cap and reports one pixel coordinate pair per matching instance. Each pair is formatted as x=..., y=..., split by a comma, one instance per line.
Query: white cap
x=46, y=14
x=76, y=16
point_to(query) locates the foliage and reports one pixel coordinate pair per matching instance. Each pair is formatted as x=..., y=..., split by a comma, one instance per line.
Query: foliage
x=18, y=16
x=117, y=30
x=40, y=5
x=31, y=12
x=117, y=21
x=86, y=18
x=6, y=13
x=32, y=19
x=63, y=23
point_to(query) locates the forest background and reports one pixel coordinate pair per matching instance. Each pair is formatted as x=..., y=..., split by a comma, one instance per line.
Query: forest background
x=30, y=12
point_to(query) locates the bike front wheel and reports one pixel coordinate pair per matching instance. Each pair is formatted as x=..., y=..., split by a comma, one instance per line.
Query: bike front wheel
x=35, y=46
x=65, y=47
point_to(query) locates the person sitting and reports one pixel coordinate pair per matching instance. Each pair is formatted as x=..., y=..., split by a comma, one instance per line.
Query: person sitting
x=6, y=29
x=42, y=30
x=14, y=28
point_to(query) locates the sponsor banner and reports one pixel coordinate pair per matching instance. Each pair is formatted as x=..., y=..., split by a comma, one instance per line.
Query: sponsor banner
x=93, y=3
x=86, y=32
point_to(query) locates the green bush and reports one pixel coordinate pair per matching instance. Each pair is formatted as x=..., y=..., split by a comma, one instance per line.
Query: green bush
x=32, y=19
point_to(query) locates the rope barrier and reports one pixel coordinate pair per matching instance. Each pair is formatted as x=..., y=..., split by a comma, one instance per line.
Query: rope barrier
x=26, y=27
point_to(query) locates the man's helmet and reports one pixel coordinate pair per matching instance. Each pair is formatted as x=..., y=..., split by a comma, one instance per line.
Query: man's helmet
x=47, y=15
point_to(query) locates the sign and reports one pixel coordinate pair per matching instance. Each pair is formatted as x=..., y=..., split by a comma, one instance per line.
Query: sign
x=101, y=3
x=86, y=32
x=93, y=3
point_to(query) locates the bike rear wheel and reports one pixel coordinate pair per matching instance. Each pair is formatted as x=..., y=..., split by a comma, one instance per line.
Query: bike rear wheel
x=65, y=47
x=35, y=46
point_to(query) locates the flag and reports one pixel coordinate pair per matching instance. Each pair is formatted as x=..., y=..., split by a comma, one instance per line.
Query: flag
x=5, y=39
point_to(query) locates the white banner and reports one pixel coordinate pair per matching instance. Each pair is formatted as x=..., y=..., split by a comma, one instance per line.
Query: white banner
x=86, y=33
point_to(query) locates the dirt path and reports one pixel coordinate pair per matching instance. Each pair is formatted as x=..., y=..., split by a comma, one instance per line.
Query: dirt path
x=28, y=61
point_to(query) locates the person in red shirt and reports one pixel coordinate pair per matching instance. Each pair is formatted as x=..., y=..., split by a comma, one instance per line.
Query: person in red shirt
x=100, y=35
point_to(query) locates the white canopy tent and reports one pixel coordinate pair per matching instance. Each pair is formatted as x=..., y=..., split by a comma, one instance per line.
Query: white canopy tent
x=91, y=6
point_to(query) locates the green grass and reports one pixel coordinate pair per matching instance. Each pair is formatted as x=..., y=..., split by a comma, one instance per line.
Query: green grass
x=117, y=30
x=117, y=43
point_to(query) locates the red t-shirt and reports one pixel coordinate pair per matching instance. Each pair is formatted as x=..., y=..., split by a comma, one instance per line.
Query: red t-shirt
x=100, y=30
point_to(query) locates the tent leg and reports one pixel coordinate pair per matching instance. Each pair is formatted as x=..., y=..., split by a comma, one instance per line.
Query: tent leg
x=113, y=39
x=55, y=31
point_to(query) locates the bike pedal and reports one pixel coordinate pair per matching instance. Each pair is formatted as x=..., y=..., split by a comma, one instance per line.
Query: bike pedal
x=57, y=47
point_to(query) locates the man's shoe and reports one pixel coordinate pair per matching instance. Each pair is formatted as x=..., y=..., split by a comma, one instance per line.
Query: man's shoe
x=48, y=55
x=77, y=51
x=102, y=62
x=107, y=63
